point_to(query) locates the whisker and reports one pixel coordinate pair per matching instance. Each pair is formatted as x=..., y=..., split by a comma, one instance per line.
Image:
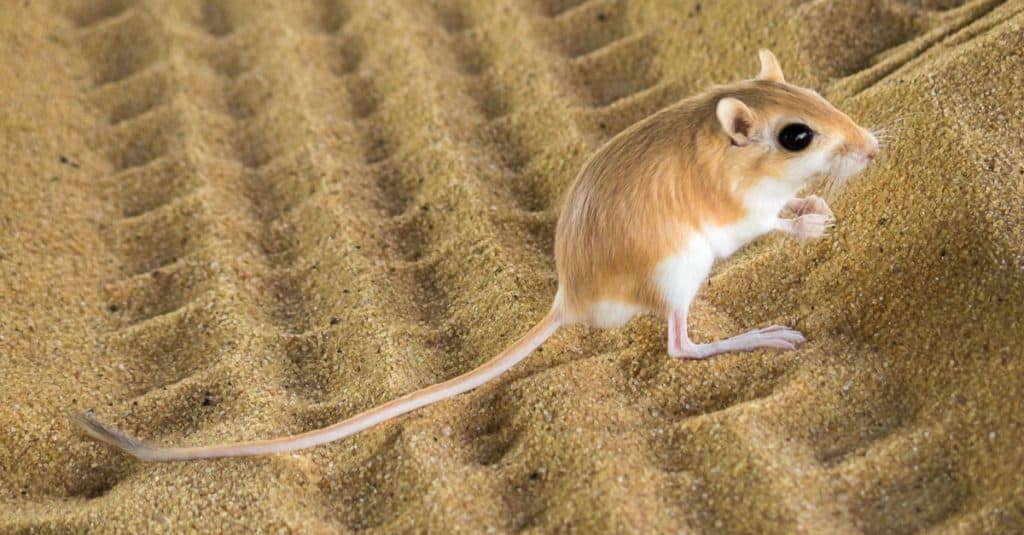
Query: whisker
x=883, y=134
x=893, y=121
x=831, y=189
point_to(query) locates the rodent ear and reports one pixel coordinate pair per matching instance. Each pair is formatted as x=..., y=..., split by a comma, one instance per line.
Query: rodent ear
x=770, y=68
x=736, y=119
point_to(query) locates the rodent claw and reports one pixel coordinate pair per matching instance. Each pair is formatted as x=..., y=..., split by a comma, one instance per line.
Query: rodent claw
x=810, y=226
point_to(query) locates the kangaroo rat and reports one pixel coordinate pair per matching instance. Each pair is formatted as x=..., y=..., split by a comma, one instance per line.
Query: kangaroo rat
x=642, y=225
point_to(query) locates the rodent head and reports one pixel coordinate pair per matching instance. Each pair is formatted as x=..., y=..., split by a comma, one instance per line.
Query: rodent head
x=768, y=128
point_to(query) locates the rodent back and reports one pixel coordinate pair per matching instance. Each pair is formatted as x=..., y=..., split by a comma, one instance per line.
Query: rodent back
x=639, y=195
x=630, y=205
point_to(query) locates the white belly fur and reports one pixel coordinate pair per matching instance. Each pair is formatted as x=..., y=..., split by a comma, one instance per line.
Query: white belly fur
x=679, y=276
x=608, y=314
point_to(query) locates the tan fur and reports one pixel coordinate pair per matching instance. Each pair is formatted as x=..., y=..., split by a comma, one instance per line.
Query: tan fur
x=770, y=68
x=632, y=205
x=640, y=195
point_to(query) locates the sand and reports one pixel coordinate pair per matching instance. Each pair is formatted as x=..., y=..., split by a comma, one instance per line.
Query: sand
x=236, y=220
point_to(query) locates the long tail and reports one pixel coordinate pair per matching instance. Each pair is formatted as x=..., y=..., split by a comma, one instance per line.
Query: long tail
x=425, y=396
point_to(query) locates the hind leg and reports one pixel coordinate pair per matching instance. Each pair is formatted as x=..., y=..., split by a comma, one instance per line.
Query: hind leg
x=773, y=337
x=679, y=277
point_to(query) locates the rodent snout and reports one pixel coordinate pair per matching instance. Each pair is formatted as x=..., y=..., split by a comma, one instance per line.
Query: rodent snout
x=871, y=147
x=867, y=149
x=854, y=155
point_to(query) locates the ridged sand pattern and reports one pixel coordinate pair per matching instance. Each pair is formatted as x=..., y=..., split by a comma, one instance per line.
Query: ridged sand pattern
x=305, y=209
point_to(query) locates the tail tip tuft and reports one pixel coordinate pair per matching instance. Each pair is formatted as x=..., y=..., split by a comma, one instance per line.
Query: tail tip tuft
x=96, y=429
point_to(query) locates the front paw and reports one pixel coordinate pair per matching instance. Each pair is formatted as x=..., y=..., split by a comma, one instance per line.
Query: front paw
x=812, y=226
x=811, y=205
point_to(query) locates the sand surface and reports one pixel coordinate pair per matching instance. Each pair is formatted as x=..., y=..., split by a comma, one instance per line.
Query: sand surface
x=235, y=220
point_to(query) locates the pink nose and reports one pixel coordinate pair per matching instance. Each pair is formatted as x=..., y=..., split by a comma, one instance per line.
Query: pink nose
x=871, y=147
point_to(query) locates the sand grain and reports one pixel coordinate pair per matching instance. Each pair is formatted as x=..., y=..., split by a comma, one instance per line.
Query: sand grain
x=233, y=220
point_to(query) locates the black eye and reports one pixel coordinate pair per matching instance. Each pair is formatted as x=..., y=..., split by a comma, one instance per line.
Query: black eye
x=795, y=137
